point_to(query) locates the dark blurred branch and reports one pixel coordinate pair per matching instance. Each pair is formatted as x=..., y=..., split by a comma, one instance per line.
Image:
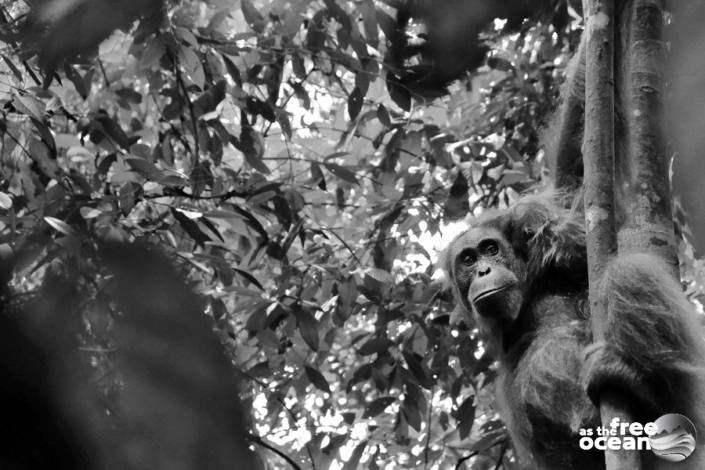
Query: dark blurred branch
x=258, y=440
x=564, y=147
x=462, y=460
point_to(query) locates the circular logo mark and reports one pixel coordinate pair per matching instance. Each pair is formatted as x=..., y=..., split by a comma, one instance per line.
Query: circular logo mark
x=675, y=437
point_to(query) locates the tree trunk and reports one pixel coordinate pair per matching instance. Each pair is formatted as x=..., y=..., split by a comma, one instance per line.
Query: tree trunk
x=599, y=192
x=643, y=166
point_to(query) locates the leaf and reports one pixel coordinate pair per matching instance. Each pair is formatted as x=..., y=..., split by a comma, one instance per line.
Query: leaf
x=30, y=106
x=128, y=195
x=418, y=369
x=374, y=289
x=252, y=222
x=412, y=413
x=362, y=82
x=213, y=229
x=46, y=135
x=414, y=394
x=336, y=155
x=342, y=172
x=261, y=369
x=386, y=24
x=275, y=251
x=369, y=22
x=209, y=99
x=145, y=168
x=107, y=126
x=284, y=123
x=82, y=84
x=482, y=364
x=308, y=327
x=317, y=379
x=282, y=211
x=377, y=406
x=301, y=95
x=511, y=153
x=413, y=184
x=201, y=177
x=89, y=212
x=252, y=147
x=264, y=109
x=191, y=64
x=174, y=180
x=252, y=16
x=490, y=439
x=295, y=199
x=186, y=36
x=249, y=277
x=457, y=205
x=353, y=462
x=299, y=69
x=510, y=177
x=257, y=320
x=141, y=150
x=375, y=345
x=315, y=35
x=399, y=94
x=153, y=52
x=44, y=157
x=383, y=116
x=466, y=416
x=355, y=101
x=498, y=63
x=411, y=143
x=232, y=70
x=190, y=227
x=363, y=372
x=60, y=225
x=5, y=201
x=317, y=175
x=293, y=21
x=13, y=67
x=262, y=196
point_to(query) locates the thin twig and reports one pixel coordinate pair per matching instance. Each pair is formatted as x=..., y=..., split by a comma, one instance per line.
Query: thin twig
x=352, y=253
x=502, y=451
x=194, y=120
x=428, y=430
x=105, y=75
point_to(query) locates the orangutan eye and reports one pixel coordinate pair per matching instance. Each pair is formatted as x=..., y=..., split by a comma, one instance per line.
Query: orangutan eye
x=489, y=247
x=468, y=257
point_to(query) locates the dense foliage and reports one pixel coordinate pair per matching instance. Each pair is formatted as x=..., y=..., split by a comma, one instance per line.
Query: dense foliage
x=298, y=167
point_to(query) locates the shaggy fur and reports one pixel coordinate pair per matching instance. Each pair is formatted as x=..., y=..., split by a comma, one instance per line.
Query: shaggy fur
x=551, y=373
